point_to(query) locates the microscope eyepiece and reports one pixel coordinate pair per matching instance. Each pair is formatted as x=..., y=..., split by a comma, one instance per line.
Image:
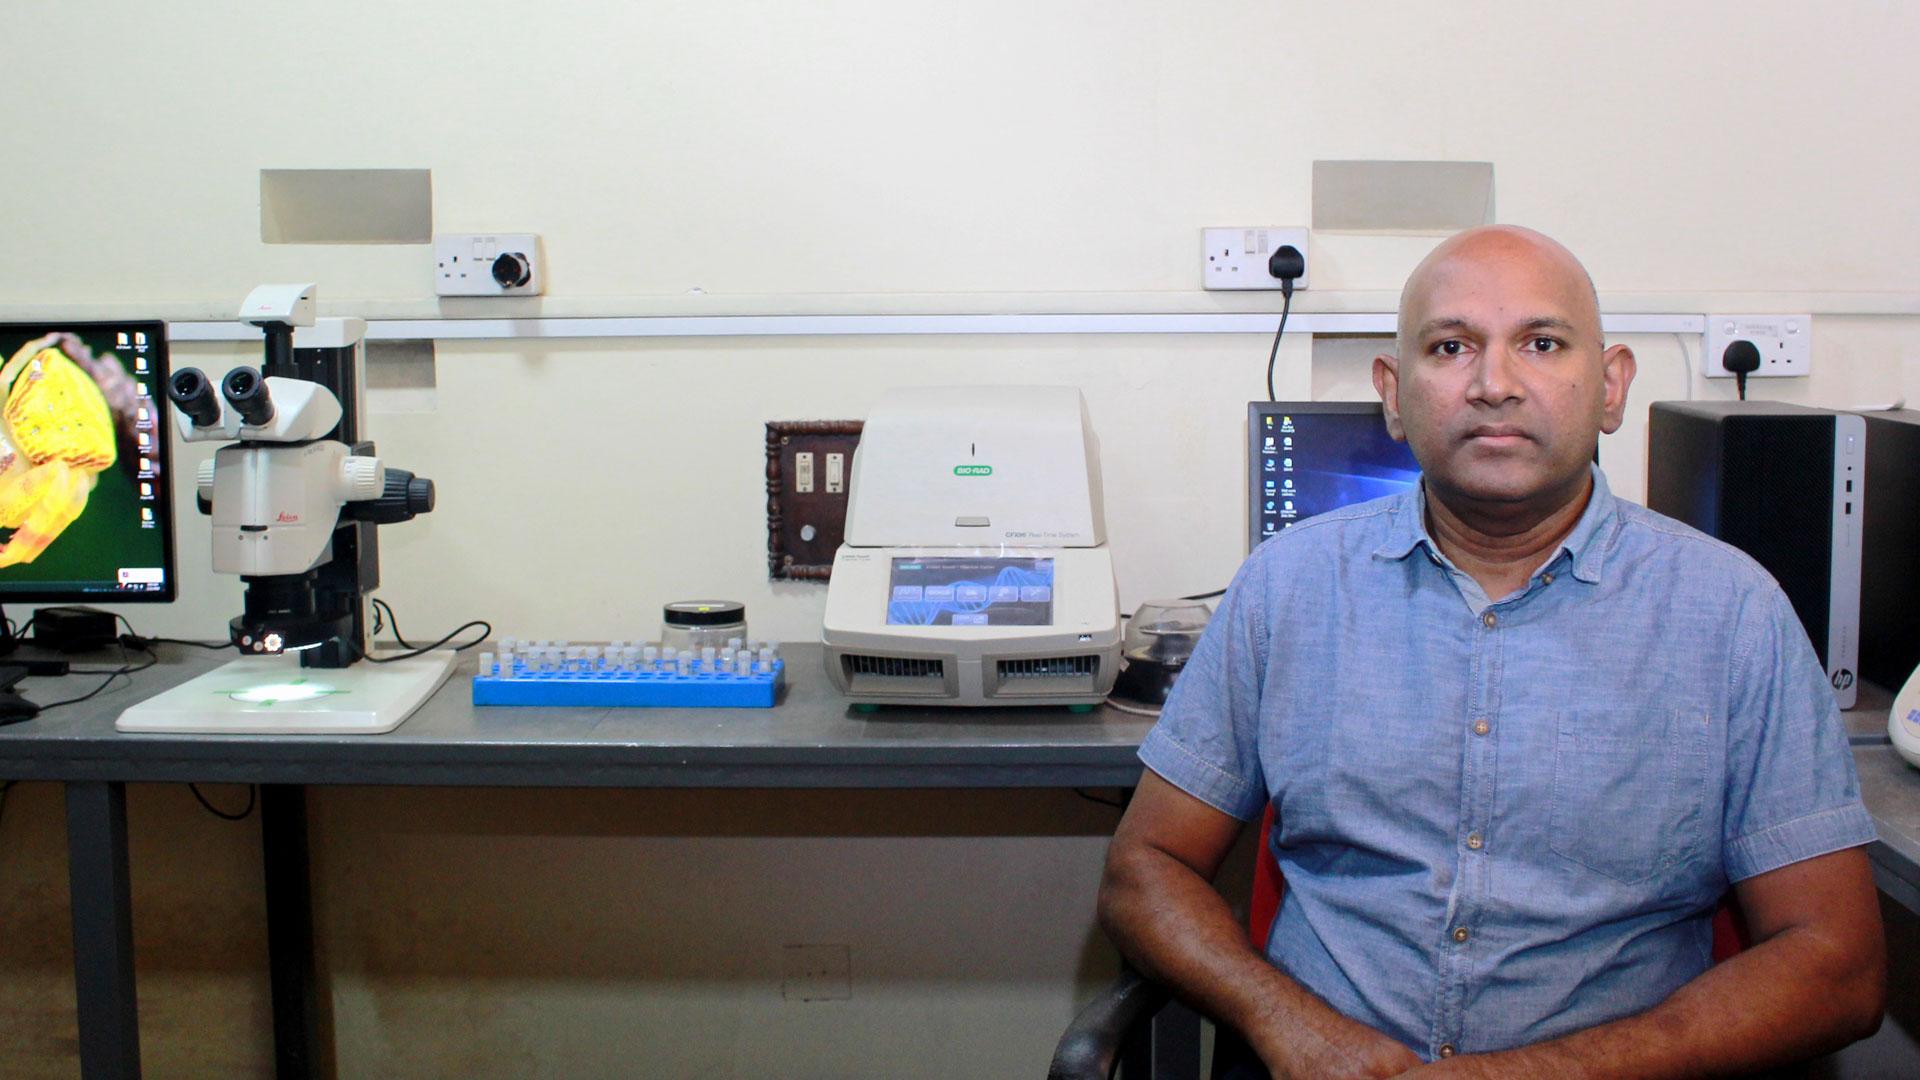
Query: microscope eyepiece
x=192, y=394
x=246, y=391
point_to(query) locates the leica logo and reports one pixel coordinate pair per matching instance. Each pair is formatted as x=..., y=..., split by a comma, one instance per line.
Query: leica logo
x=285, y=517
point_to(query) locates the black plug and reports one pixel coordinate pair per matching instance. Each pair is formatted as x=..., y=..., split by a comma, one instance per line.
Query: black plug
x=1740, y=358
x=1287, y=264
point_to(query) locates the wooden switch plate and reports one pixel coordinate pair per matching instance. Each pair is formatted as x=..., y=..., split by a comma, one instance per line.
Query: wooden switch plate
x=809, y=468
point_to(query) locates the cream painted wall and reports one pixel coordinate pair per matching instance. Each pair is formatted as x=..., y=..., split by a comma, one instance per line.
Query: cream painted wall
x=846, y=157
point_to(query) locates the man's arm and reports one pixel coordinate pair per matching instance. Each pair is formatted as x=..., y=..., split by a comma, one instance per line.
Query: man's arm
x=1814, y=980
x=1158, y=903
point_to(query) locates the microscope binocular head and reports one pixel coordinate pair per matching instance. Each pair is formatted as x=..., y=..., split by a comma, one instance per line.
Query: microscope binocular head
x=252, y=407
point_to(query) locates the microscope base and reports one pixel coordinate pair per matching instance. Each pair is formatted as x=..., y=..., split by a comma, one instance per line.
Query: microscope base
x=274, y=695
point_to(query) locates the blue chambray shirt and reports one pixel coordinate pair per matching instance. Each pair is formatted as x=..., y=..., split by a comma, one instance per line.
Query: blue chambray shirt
x=1500, y=823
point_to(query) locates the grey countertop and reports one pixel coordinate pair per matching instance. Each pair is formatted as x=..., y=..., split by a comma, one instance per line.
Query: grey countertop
x=811, y=738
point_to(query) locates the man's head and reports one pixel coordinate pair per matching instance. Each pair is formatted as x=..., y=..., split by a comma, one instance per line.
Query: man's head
x=1500, y=381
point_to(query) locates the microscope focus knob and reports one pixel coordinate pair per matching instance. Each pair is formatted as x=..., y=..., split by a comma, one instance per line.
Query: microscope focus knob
x=361, y=478
x=419, y=494
x=406, y=497
x=203, y=481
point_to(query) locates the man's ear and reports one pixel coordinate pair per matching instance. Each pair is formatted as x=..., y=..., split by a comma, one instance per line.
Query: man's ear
x=1386, y=383
x=1617, y=369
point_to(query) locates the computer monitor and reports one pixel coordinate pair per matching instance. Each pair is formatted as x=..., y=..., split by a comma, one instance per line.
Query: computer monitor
x=86, y=513
x=1309, y=457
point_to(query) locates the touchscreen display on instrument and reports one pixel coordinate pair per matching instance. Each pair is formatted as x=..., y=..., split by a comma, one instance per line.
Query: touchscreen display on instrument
x=985, y=591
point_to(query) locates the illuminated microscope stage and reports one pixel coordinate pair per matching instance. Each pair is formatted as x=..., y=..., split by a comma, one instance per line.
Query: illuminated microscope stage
x=274, y=695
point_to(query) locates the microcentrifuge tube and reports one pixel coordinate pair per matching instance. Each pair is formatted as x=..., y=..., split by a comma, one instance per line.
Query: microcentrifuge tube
x=486, y=664
x=684, y=664
x=741, y=665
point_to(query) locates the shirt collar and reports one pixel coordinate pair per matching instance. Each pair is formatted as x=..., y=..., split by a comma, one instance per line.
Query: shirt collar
x=1586, y=544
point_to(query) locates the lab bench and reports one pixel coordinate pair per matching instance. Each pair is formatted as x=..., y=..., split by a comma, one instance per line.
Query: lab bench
x=811, y=739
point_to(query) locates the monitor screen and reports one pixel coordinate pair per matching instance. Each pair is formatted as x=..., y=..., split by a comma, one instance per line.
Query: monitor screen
x=984, y=591
x=1308, y=457
x=85, y=506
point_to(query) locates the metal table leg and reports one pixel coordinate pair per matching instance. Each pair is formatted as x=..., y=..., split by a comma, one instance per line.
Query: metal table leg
x=102, y=904
x=283, y=837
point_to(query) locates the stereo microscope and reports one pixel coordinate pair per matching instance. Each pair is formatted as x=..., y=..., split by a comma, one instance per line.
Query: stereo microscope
x=295, y=501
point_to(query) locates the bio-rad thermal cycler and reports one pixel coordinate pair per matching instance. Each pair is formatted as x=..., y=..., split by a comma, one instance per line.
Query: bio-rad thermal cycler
x=975, y=569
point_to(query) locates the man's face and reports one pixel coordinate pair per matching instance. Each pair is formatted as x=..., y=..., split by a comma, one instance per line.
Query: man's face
x=1501, y=385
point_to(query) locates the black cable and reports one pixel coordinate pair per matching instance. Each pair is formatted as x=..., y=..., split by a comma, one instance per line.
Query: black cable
x=124, y=669
x=392, y=621
x=1286, y=305
x=1115, y=803
x=424, y=649
x=253, y=796
x=184, y=641
x=1196, y=596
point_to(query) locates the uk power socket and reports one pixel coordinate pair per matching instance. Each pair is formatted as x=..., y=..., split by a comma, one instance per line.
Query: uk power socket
x=1785, y=343
x=490, y=264
x=1237, y=258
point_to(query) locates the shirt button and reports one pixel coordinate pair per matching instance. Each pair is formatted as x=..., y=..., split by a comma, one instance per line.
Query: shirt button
x=1460, y=934
x=1547, y=578
x=1481, y=727
x=1446, y=1049
x=1475, y=842
x=1489, y=619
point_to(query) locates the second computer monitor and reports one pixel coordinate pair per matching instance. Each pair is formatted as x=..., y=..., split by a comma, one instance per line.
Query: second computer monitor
x=1309, y=457
x=85, y=507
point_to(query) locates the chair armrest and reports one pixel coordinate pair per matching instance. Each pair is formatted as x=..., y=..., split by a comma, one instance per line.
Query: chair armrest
x=1092, y=1043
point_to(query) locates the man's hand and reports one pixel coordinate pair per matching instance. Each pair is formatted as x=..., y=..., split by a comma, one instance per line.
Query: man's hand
x=1158, y=903
x=1332, y=1047
x=1814, y=980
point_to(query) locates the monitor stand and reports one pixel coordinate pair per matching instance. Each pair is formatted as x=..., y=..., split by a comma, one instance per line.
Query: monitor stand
x=274, y=695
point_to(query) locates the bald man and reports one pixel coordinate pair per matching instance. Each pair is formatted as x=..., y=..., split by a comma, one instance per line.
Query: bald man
x=1520, y=738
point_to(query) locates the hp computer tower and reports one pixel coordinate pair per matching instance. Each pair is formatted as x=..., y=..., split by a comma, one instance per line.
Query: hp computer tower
x=1785, y=484
x=1890, y=549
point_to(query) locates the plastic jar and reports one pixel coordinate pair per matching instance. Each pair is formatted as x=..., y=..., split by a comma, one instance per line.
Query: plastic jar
x=698, y=624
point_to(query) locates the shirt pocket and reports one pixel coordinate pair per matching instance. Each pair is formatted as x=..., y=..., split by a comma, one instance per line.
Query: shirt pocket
x=1629, y=788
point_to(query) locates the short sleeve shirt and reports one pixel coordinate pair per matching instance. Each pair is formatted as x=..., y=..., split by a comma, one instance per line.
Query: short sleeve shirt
x=1502, y=822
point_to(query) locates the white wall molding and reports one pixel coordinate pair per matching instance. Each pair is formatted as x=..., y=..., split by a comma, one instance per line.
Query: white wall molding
x=867, y=325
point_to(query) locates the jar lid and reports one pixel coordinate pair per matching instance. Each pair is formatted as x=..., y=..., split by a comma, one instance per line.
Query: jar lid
x=704, y=613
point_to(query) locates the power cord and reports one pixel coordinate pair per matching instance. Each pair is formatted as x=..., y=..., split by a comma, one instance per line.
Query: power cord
x=253, y=798
x=1287, y=264
x=1686, y=361
x=1741, y=357
x=486, y=633
x=391, y=620
x=1117, y=804
x=126, y=668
